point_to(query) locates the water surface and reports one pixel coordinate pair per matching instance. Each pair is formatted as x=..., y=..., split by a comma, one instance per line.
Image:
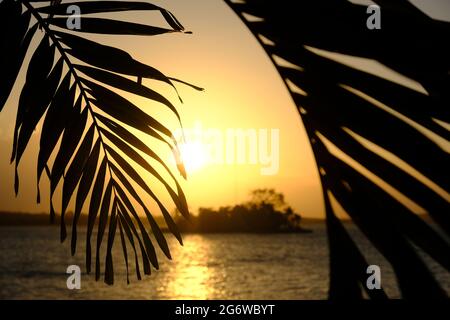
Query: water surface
x=214, y=266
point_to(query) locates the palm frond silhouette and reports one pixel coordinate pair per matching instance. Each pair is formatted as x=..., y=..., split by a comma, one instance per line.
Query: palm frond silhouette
x=90, y=120
x=342, y=106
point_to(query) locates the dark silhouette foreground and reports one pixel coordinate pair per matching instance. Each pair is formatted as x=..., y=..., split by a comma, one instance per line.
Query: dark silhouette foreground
x=338, y=105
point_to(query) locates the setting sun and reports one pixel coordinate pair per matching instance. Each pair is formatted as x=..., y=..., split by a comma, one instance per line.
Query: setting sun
x=193, y=155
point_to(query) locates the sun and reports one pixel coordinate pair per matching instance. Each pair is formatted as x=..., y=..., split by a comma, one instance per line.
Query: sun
x=193, y=155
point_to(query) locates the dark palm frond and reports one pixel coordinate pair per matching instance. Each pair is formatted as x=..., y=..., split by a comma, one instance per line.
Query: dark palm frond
x=341, y=106
x=85, y=123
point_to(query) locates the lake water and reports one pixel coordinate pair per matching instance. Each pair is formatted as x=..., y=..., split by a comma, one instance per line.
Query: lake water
x=217, y=266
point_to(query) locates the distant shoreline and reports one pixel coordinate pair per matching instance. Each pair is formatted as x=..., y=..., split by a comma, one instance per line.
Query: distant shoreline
x=13, y=219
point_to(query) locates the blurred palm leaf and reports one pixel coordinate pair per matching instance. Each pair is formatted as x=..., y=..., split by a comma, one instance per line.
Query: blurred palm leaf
x=344, y=108
x=76, y=106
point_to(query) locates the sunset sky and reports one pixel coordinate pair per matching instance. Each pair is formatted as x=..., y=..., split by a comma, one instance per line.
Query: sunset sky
x=242, y=91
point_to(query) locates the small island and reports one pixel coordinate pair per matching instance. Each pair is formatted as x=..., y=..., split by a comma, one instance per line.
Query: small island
x=266, y=212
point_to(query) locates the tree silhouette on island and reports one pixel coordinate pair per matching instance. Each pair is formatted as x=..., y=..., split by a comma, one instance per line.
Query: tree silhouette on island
x=266, y=212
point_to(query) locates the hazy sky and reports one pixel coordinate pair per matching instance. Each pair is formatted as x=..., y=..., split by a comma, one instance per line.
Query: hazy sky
x=243, y=90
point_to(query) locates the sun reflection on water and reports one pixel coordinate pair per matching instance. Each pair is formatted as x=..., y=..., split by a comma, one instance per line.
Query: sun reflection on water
x=192, y=277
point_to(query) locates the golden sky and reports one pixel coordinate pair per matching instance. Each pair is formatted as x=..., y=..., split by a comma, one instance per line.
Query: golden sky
x=242, y=91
